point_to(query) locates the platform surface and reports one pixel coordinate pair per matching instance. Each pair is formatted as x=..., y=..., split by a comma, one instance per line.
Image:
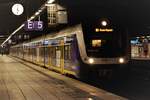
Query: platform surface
x=20, y=80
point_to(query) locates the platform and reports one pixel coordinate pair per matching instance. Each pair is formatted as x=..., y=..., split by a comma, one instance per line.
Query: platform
x=20, y=80
x=141, y=58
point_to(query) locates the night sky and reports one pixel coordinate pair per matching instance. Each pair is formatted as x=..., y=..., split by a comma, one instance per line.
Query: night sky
x=133, y=13
x=8, y=21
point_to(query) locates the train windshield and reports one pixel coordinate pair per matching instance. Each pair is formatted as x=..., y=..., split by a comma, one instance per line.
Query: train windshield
x=107, y=45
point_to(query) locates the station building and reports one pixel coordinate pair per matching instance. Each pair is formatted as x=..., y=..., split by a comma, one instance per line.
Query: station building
x=140, y=47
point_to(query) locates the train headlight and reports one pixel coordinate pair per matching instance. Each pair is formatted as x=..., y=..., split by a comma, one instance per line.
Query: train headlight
x=91, y=60
x=121, y=60
x=104, y=23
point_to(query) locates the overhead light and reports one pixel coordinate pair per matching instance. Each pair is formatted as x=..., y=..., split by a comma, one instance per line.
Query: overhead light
x=12, y=34
x=32, y=17
x=29, y=20
x=104, y=23
x=37, y=13
x=40, y=11
x=43, y=7
x=50, y=1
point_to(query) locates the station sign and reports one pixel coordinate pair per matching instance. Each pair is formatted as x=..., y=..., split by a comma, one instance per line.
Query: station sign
x=33, y=26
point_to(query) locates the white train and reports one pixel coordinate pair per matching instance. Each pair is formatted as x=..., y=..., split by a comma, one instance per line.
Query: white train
x=76, y=51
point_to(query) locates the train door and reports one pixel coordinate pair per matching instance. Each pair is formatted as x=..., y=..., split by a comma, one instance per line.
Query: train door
x=19, y=52
x=50, y=56
x=41, y=53
x=22, y=52
x=47, y=53
x=38, y=55
x=34, y=53
x=21, y=48
x=71, y=53
x=67, y=57
x=56, y=58
x=53, y=56
x=25, y=52
x=27, y=56
x=70, y=59
x=31, y=53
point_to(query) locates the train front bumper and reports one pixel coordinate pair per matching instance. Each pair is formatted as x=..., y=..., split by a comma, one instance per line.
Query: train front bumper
x=117, y=60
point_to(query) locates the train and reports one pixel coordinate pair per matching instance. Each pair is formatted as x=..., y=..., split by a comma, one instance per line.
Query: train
x=78, y=50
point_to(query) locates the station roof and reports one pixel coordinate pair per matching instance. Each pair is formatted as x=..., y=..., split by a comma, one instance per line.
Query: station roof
x=10, y=22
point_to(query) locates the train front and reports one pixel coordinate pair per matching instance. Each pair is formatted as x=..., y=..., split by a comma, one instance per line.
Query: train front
x=106, y=42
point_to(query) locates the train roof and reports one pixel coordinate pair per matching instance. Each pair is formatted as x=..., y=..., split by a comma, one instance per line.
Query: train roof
x=64, y=32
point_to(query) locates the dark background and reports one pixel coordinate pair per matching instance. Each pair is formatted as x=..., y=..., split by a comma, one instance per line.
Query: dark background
x=133, y=14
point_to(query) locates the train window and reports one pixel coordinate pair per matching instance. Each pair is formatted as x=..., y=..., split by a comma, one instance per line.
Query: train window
x=67, y=52
x=53, y=53
x=96, y=43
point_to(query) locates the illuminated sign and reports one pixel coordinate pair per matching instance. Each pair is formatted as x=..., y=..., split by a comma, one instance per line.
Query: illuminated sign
x=34, y=26
x=103, y=30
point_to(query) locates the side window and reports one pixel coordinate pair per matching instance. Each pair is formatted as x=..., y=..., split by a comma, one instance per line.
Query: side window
x=67, y=52
x=53, y=53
